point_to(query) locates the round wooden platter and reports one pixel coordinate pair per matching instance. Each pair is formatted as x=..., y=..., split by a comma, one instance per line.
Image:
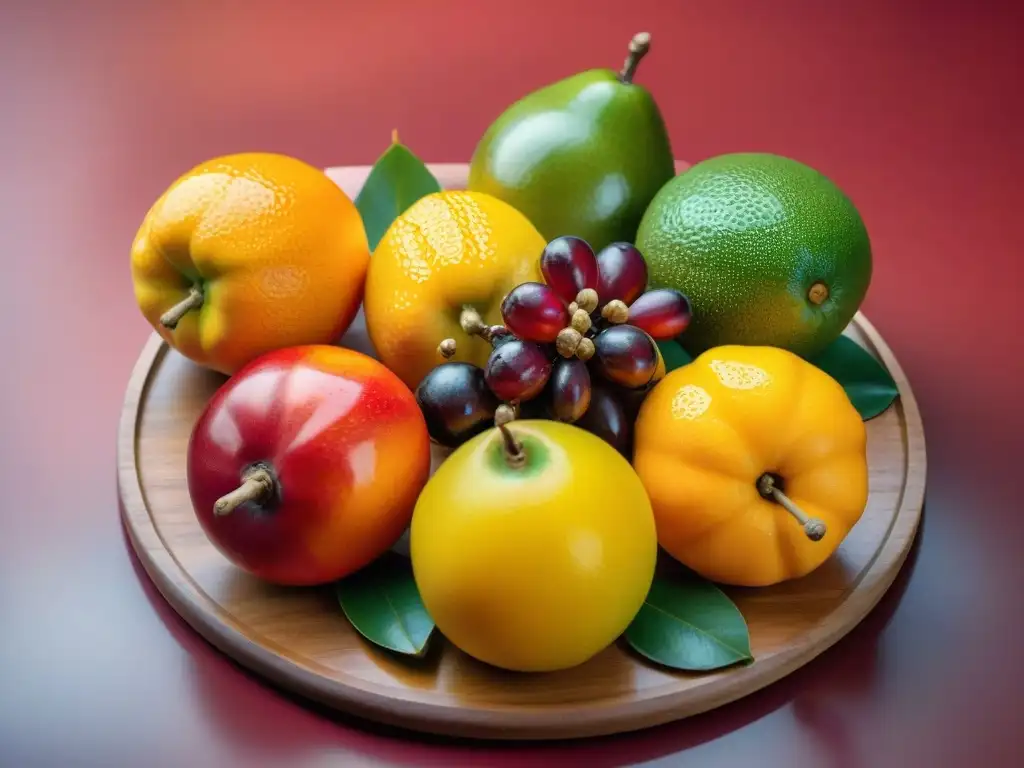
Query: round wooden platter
x=300, y=640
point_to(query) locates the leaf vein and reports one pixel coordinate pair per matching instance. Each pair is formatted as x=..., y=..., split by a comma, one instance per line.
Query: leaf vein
x=398, y=618
x=738, y=653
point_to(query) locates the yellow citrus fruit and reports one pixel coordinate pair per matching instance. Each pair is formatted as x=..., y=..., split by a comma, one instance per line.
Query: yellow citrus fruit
x=449, y=251
x=710, y=433
x=536, y=564
x=248, y=253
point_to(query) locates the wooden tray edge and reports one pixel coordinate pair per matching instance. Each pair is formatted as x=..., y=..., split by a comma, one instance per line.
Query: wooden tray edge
x=360, y=699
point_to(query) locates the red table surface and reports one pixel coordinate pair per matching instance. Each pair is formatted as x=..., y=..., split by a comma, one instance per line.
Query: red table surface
x=914, y=108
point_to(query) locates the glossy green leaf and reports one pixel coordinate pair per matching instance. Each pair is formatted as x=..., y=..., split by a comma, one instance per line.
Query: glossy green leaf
x=674, y=355
x=688, y=623
x=383, y=604
x=397, y=180
x=867, y=383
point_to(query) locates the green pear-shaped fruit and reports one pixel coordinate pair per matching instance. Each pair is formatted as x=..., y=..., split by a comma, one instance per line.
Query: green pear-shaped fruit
x=583, y=156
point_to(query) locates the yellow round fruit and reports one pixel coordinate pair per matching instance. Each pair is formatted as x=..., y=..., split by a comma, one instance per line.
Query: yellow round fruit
x=449, y=251
x=533, y=552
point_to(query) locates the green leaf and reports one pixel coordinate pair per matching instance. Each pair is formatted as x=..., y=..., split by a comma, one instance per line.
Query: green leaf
x=397, y=180
x=674, y=355
x=383, y=604
x=867, y=383
x=688, y=623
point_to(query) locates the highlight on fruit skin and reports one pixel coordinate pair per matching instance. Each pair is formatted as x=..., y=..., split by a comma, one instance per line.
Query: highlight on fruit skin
x=778, y=256
x=526, y=494
x=534, y=312
x=570, y=389
x=420, y=288
x=755, y=461
x=622, y=272
x=560, y=342
x=456, y=402
x=569, y=266
x=248, y=253
x=600, y=129
x=517, y=370
x=311, y=484
x=663, y=313
x=626, y=356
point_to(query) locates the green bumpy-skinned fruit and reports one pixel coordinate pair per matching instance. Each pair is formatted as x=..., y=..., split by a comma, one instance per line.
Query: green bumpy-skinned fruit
x=768, y=250
x=583, y=156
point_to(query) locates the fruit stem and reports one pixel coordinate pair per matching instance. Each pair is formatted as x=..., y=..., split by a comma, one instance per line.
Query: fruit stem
x=585, y=349
x=394, y=136
x=514, y=453
x=503, y=414
x=813, y=527
x=581, y=320
x=587, y=299
x=615, y=312
x=257, y=485
x=638, y=47
x=447, y=349
x=817, y=293
x=471, y=322
x=568, y=341
x=172, y=316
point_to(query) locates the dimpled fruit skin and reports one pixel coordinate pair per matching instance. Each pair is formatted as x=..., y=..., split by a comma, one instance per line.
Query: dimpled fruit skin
x=278, y=248
x=450, y=249
x=710, y=429
x=745, y=236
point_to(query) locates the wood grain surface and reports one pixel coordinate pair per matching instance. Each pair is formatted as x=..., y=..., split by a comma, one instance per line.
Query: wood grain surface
x=300, y=640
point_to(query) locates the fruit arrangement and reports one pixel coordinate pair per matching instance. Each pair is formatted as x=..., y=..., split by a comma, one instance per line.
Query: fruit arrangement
x=612, y=364
x=590, y=324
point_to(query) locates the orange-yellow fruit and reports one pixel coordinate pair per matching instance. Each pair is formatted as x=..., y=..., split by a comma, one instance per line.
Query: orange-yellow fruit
x=249, y=253
x=450, y=250
x=710, y=430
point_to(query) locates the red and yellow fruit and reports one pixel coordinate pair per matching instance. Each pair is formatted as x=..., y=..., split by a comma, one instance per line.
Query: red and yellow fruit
x=306, y=465
x=249, y=253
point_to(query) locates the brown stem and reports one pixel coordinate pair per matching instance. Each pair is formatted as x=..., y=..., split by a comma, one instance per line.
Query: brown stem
x=503, y=414
x=817, y=293
x=585, y=349
x=172, y=316
x=638, y=47
x=615, y=311
x=814, y=528
x=471, y=322
x=581, y=320
x=567, y=341
x=514, y=453
x=447, y=348
x=256, y=485
x=587, y=299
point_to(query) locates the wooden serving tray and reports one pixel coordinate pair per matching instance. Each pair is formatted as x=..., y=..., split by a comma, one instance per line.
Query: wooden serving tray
x=300, y=640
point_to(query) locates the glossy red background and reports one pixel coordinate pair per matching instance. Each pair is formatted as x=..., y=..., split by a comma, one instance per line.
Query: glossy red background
x=913, y=107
